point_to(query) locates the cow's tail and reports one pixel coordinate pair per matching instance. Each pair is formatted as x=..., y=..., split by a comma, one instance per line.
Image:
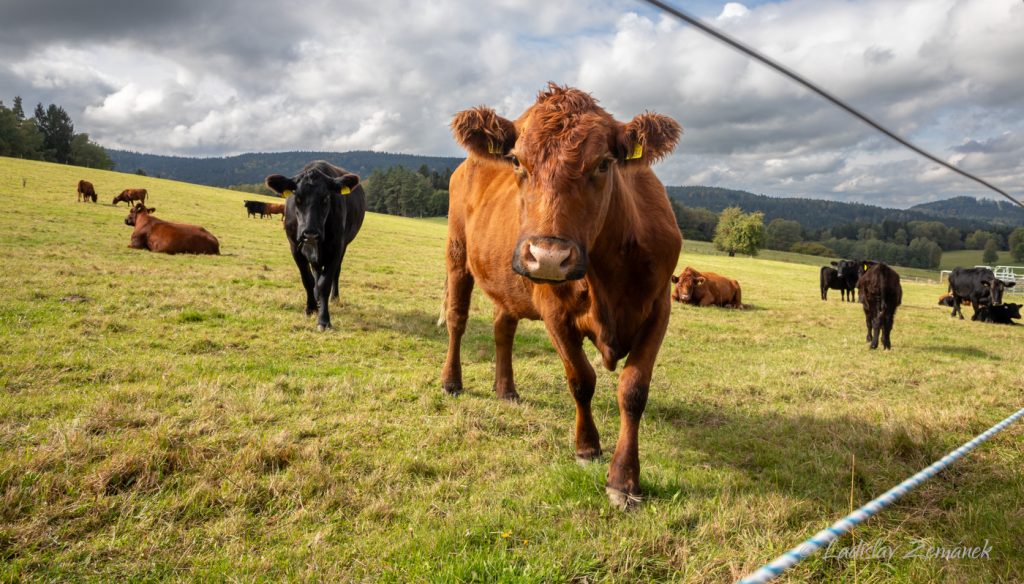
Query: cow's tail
x=442, y=318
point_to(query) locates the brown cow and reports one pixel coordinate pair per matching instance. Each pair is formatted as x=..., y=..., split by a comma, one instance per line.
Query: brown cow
x=706, y=289
x=274, y=209
x=559, y=217
x=86, y=192
x=129, y=195
x=881, y=293
x=166, y=237
x=947, y=300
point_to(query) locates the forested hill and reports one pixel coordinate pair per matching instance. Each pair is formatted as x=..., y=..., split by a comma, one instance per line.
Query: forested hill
x=253, y=168
x=815, y=213
x=999, y=212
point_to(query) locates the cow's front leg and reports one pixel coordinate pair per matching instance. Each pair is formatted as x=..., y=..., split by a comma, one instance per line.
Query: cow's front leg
x=504, y=338
x=582, y=380
x=324, y=281
x=623, y=484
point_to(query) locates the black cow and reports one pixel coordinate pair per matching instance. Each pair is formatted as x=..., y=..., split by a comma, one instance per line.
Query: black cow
x=881, y=293
x=1000, y=313
x=320, y=219
x=979, y=285
x=843, y=278
x=256, y=208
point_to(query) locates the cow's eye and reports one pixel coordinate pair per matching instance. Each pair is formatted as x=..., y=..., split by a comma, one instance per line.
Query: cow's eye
x=604, y=166
x=514, y=160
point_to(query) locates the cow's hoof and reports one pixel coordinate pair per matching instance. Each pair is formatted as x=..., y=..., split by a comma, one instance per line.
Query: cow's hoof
x=323, y=327
x=587, y=456
x=452, y=388
x=310, y=311
x=622, y=500
x=506, y=394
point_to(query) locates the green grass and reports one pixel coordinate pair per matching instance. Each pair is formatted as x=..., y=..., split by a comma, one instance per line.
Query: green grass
x=968, y=258
x=172, y=417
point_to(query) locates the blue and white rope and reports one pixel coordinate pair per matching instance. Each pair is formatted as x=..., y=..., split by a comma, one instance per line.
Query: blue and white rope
x=826, y=536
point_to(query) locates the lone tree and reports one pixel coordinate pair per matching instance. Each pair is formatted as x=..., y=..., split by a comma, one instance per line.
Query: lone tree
x=991, y=254
x=739, y=232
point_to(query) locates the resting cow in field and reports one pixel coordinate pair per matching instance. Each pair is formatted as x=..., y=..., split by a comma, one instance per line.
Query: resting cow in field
x=1000, y=313
x=86, y=192
x=129, y=195
x=979, y=285
x=166, y=237
x=706, y=289
x=881, y=294
x=558, y=216
x=947, y=300
x=320, y=219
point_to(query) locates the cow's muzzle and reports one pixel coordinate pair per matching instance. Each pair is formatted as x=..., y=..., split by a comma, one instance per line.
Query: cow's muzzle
x=549, y=259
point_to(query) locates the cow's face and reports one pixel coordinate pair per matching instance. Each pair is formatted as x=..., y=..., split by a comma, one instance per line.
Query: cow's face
x=311, y=195
x=135, y=212
x=568, y=157
x=848, y=269
x=995, y=288
x=1013, y=310
x=687, y=285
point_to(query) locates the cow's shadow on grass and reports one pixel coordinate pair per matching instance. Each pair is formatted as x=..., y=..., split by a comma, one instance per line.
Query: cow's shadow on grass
x=962, y=351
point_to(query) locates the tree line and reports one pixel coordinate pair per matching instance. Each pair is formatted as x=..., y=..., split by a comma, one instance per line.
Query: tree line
x=49, y=135
x=915, y=244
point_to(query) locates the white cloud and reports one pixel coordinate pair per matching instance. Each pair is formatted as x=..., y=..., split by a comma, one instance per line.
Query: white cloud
x=230, y=77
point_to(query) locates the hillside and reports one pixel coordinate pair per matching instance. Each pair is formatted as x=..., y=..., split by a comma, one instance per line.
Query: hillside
x=812, y=213
x=170, y=418
x=1000, y=212
x=254, y=167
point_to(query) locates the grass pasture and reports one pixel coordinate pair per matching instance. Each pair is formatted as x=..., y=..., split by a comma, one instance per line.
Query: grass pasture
x=171, y=417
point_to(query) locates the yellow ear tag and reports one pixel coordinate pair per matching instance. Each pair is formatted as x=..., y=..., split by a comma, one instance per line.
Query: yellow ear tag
x=638, y=152
x=345, y=190
x=287, y=194
x=492, y=148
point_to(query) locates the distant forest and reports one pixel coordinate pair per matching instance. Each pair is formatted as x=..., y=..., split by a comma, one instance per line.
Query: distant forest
x=254, y=167
x=48, y=135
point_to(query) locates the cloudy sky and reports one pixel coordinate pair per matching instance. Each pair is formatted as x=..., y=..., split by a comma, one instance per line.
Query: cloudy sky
x=201, y=78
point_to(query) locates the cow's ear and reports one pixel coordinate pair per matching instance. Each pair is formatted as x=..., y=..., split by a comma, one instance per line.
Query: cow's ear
x=1009, y=284
x=648, y=138
x=675, y=279
x=986, y=284
x=280, y=183
x=701, y=280
x=483, y=132
x=835, y=264
x=345, y=184
x=151, y=210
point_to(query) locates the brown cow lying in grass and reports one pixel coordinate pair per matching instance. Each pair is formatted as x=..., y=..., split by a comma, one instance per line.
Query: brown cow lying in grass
x=129, y=195
x=706, y=289
x=166, y=237
x=947, y=300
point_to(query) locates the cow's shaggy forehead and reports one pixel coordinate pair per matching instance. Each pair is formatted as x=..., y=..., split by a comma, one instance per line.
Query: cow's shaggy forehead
x=564, y=131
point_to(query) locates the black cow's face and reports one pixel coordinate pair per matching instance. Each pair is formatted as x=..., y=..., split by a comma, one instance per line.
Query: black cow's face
x=996, y=287
x=848, y=269
x=312, y=193
x=1013, y=310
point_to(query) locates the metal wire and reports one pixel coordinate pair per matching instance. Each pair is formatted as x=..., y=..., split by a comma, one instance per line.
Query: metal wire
x=739, y=46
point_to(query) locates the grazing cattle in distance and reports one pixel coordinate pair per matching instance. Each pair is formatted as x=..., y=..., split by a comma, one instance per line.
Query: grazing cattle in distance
x=1000, y=313
x=274, y=209
x=881, y=294
x=979, y=285
x=829, y=280
x=324, y=211
x=166, y=237
x=947, y=300
x=86, y=192
x=558, y=216
x=706, y=289
x=129, y=195
x=256, y=208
